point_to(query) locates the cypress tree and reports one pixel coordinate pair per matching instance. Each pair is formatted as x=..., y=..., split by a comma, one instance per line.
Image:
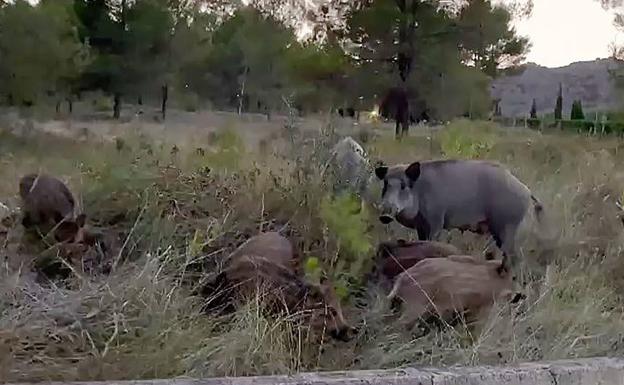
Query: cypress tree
x=577, y=111
x=559, y=105
x=534, y=110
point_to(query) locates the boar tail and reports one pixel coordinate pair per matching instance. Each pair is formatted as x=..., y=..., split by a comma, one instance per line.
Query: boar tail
x=545, y=233
x=538, y=209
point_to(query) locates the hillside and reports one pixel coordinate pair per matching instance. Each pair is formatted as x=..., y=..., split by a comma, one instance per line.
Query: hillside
x=589, y=81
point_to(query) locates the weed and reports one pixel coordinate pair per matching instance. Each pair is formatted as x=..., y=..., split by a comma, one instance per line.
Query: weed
x=465, y=139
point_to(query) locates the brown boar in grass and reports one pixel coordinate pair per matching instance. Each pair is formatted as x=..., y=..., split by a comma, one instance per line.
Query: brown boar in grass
x=442, y=287
x=395, y=257
x=46, y=202
x=265, y=267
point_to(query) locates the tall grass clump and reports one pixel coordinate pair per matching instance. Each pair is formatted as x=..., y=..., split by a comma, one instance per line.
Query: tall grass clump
x=226, y=150
x=467, y=139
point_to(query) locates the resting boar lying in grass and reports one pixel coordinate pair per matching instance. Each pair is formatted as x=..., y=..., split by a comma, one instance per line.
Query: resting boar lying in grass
x=395, y=257
x=87, y=249
x=444, y=286
x=264, y=267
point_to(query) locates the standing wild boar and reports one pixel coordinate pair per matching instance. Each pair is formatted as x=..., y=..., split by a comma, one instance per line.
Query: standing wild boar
x=443, y=286
x=473, y=195
x=46, y=201
x=264, y=266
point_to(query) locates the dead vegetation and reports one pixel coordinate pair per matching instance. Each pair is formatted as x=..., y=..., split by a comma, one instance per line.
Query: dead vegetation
x=169, y=219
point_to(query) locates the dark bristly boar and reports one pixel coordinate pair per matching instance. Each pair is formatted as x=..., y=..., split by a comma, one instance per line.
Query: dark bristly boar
x=395, y=257
x=266, y=266
x=46, y=201
x=442, y=287
x=473, y=195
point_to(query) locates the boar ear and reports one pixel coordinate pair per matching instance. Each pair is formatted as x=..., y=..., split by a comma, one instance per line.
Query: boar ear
x=381, y=172
x=66, y=231
x=413, y=171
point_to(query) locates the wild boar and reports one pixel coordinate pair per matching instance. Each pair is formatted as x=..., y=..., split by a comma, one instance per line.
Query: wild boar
x=270, y=243
x=46, y=201
x=393, y=258
x=443, y=286
x=264, y=266
x=83, y=246
x=473, y=195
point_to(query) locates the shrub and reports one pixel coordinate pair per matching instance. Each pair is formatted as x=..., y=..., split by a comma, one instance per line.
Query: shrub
x=577, y=111
x=102, y=103
x=189, y=101
x=347, y=221
x=227, y=150
x=467, y=139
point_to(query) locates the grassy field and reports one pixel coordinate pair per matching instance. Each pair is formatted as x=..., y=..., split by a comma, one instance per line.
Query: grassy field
x=172, y=221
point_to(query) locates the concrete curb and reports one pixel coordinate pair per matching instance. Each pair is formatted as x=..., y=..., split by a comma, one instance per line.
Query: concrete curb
x=592, y=371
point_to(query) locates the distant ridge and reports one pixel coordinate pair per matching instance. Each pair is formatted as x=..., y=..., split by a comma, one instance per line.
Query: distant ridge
x=588, y=81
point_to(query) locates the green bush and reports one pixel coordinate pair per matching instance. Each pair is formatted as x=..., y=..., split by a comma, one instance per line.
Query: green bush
x=467, y=139
x=189, y=101
x=577, y=111
x=577, y=125
x=348, y=221
x=102, y=103
x=534, y=123
x=227, y=150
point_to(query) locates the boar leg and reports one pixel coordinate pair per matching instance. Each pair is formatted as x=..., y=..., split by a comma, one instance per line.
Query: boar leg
x=505, y=239
x=27, y=221
x=436, y=224
x=422, y=227
x=414, y=313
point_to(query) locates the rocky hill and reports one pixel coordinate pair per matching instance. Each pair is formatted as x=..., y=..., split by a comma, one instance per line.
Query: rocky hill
x=588, y=81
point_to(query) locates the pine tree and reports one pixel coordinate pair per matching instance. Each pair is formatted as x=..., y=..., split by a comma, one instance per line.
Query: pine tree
x=559, y=105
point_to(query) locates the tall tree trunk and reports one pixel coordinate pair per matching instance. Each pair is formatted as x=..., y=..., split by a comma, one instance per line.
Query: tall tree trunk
x=58, y=107
x=140, y=100
x=165, y=96
x=117, y=105
x=402, y=112
x=70, y=105
x=242, y=93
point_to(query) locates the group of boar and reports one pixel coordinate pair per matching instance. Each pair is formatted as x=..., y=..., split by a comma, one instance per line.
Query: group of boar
x=425, y=276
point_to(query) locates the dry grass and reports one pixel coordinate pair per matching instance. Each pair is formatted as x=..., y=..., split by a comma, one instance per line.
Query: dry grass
x=177, y=221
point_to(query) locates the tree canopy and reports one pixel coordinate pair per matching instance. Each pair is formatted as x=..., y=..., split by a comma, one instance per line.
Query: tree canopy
x=440, y=56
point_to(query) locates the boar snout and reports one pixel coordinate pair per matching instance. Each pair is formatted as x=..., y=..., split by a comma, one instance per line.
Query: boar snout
x=344, y=334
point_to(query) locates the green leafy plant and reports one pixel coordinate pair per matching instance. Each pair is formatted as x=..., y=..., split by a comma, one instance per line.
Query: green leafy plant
x=466, y=139
x=347, y=220
x=227, y=150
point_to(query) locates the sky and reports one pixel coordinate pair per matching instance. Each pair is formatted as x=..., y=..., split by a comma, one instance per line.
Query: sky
x=566, y=31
